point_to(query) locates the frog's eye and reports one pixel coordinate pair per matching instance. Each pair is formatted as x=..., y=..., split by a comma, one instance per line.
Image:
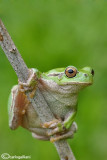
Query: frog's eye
x=70, y=72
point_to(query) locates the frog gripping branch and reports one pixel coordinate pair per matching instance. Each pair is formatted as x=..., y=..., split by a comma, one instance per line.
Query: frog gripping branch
x=45, y=103
x=23, y=74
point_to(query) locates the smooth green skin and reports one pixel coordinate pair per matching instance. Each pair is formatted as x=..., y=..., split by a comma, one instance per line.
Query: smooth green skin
x=83, y=78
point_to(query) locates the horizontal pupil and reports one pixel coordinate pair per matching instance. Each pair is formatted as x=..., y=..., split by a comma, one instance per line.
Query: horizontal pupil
x=70, y=71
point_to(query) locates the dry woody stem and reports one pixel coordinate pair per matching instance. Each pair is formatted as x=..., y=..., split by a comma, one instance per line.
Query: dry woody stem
x=21, y=69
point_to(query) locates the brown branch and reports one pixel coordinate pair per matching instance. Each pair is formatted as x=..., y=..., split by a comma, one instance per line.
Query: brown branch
x=22, y=72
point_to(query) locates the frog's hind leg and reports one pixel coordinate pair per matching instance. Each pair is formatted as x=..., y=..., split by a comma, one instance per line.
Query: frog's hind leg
x=68, y=134
x=45, y=138
x=16, y=107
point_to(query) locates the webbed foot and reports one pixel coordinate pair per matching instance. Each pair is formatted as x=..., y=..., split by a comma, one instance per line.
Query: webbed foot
x=56, y=126
x=66, y=135
x=58, y=131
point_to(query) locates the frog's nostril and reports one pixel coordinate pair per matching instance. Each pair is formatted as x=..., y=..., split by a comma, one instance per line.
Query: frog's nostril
x=92, y=72
x=86, y=75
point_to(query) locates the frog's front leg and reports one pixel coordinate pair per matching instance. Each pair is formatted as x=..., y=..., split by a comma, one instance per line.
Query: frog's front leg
x=31, y=83
x=17, y=107
x=59, y=126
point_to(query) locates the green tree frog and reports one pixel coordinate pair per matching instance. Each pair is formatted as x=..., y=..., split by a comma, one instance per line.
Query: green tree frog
x=59, y=89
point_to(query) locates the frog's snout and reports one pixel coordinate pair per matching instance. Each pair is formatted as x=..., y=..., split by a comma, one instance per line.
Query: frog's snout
x=92, y=72
x=88, y=70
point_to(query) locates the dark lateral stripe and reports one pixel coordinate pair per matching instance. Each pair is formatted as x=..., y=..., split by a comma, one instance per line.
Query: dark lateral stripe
x=54, y=74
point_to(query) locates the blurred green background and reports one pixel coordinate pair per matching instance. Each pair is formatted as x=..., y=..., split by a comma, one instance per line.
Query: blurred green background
x=51, y=34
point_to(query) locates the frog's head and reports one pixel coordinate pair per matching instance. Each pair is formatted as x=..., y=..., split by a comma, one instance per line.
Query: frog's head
x=71, y=76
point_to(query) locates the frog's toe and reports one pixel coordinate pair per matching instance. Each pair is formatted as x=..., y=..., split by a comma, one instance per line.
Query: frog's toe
x=53, y=132
x=59, y=129
x=52, y=124
x=63, y=136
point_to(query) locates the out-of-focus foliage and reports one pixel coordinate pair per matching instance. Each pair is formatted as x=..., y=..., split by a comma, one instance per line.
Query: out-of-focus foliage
x=52, y=34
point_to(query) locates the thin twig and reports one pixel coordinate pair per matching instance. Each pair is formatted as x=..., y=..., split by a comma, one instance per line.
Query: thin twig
x=44, y=113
